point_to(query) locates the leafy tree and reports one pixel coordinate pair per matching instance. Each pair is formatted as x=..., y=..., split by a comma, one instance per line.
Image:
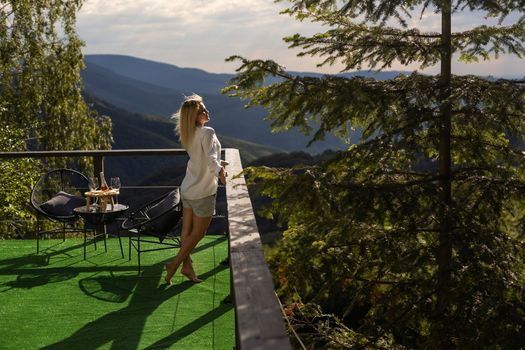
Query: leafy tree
x=413, y=236
x=40, y=92
x=40, y=86
x=14, y=192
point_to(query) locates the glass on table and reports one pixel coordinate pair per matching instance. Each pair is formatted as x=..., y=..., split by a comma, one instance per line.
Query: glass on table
x=115, y=185
x=93, y=184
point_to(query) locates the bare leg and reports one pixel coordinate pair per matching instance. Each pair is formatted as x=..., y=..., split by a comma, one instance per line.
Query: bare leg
x=199, y=228
x=187, y=224
x=187, y=266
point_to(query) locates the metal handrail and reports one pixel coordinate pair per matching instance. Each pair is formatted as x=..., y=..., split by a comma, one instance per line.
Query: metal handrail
x=98, y=155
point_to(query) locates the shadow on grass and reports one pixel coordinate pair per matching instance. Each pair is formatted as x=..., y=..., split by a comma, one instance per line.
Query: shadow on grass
x=114, y=289
x=197, y=249
x=36, y=270
x=33, y=277
x=30, y=274
x=8, y=265
x=117, y=289
x=31, y=280
x=124, y=327
x=191, y=327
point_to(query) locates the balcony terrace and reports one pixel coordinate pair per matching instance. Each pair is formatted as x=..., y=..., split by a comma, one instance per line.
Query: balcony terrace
x=57, y=300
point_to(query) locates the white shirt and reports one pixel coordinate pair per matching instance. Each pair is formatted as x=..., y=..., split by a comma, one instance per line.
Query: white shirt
x=203, y=168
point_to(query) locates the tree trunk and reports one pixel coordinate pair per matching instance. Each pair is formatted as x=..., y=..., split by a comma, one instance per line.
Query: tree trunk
x=445, y=244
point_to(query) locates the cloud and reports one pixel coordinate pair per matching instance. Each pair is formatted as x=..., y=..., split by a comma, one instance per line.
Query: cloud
x=202, y=33
x=186, y=33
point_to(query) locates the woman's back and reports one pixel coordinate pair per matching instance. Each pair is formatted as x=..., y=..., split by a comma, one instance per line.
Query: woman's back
x=204, y=164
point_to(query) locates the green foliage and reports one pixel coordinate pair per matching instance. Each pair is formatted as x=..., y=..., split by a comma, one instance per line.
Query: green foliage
x=40, y=85
x=15, y=189
x=41, y=104
x=370, y=236
x=325, y=331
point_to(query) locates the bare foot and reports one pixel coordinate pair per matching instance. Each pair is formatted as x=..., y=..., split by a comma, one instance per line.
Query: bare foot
x=190, y=274
x=170, y=271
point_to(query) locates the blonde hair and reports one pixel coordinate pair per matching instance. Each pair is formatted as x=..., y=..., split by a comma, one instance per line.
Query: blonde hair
x=186, y=119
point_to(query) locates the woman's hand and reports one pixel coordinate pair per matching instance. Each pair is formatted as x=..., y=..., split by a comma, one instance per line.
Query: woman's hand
x=223, y=174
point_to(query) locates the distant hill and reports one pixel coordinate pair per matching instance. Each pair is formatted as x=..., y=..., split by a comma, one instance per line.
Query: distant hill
x=129, y=94
x=154, y=88
x=137, y=131
x=160, y=74
x=190, y=79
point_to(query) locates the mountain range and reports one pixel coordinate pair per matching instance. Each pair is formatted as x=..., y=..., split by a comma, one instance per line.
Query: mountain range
x=157, y=89
x=149, y=89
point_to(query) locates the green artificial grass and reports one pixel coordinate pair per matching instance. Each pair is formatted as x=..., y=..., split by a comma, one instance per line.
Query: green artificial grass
x=57, y=300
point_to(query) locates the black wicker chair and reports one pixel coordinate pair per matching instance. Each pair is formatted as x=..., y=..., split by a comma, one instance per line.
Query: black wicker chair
x=54, y=197
x=159, y=218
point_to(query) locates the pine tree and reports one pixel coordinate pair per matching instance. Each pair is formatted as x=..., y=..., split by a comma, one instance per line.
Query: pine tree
x=413, y=236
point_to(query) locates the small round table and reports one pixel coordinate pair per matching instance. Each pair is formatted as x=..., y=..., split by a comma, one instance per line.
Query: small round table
x=98, y=218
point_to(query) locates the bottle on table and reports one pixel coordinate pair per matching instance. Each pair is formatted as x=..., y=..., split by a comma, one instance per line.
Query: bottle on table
x=103, y=184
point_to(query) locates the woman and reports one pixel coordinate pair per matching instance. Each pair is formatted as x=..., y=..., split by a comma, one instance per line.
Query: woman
x=199, y=187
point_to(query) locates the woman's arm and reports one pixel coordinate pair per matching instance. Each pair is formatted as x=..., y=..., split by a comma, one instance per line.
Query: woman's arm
x=211, y=151
x=222, y=175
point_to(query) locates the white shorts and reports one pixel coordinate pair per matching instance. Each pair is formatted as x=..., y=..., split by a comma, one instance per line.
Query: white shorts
x=203, y=207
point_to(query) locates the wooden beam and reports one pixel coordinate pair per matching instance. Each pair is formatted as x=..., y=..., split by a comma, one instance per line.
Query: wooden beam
x=259, y=322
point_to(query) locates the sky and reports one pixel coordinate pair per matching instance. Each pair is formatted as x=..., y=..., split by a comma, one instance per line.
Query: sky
x=202, y=33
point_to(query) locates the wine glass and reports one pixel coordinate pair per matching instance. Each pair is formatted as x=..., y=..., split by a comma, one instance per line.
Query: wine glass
x=93, y=184
x=115, y=185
